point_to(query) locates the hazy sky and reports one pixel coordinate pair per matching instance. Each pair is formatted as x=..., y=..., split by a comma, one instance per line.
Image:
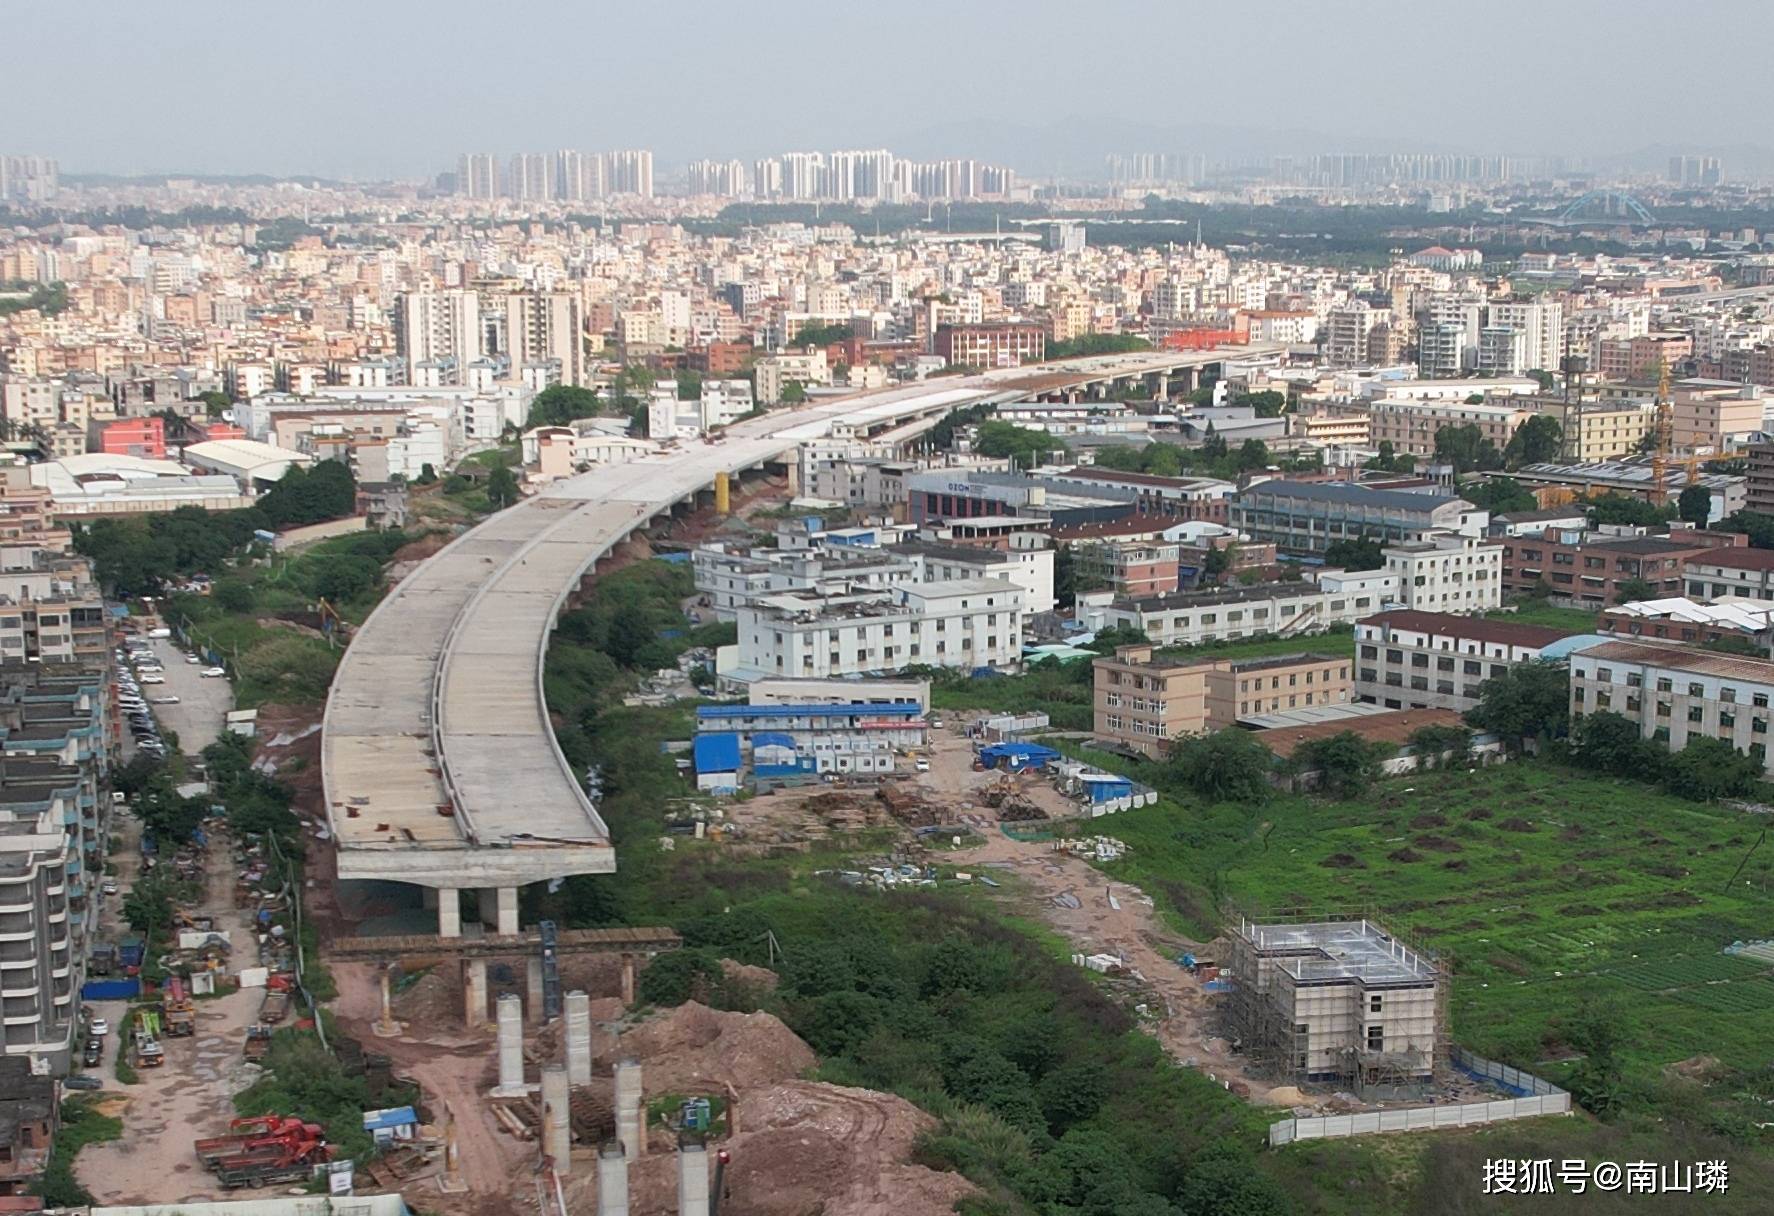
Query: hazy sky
x=395, y=87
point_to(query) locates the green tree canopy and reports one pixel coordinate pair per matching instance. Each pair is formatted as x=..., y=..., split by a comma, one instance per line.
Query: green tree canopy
x=559, y=404
x=1346, y=763
x=1622, y=509
x=1535, y=441
x=1026, y=447
x=1695, y=505
x=1498, y=494
x=1466, y=448
x=1528, y=700
x=1353, y=555
x=1708, y=768
x=1226, y=766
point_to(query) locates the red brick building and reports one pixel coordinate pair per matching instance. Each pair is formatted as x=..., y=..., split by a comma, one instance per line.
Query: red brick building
x=1002, y=344
x=144, y=437
x=1587, y=569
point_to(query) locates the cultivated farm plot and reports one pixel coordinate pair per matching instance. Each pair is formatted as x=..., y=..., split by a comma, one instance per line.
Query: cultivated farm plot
x=1546, y=888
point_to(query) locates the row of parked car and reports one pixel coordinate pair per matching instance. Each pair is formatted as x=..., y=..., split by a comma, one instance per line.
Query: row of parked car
x=138, y=665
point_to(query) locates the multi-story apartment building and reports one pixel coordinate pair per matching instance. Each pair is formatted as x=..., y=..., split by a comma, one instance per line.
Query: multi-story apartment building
x=1136, y=569
x=543, y=327
x=1760, y=478
x=1354, y=333
x=1585, y=569
x=1225, y=613
x=1641, y=358
x=1718, y=573
x=1309, y=517
x=778, y=371
x=1030, y=568
x=1411, y=426
x=1708, y=417
x=1677, y=693
x=56, y=738
x=989, y=345
x=441, y=328
x=1437, y=660
x=976, y=624
x=1142, y=702
x=1595, y=431
x=1447, y=572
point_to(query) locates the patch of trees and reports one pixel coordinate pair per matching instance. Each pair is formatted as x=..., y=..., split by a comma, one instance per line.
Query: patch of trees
x=1354, y=555
x=1387, y=460
x=1026, y=448
x=1498, y=494
x=46, y=298
x=559, y=404
x=1622, y=509
x=141, y=554
x=813, y=333
x=1097, y=344
x=1225, y=766
x=1213, y=458
x=1466, y=448
x=1537, y=440
x=1346, y=763
x=1529, y=700
x=1704, y=769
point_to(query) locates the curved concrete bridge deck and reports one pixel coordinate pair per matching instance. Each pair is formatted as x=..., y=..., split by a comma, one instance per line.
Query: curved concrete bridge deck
x=440, y=766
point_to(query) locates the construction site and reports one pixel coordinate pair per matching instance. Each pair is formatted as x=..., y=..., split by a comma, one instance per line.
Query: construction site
x=1340, y=1002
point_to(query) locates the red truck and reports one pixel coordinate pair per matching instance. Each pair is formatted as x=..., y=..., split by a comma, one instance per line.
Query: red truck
x=248, y=1133
x=292, y=1162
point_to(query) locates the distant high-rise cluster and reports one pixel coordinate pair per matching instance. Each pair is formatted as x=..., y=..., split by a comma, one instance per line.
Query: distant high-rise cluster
x=565, y=176
x=1694, y=170
x=875, y=175
x=1141, y=168
x=27, y=179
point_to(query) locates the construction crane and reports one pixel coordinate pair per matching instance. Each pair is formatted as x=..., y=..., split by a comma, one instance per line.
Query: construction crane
x=1661, y=428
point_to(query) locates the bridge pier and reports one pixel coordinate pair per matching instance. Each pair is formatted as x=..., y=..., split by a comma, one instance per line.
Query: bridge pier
x=628, y=981
x=474, y=992
x=533, y=991
x=449, y=910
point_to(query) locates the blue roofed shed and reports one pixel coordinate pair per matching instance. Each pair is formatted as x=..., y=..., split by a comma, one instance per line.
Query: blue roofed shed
x=394, y=1123
x=1014, y=757
x=716, y=756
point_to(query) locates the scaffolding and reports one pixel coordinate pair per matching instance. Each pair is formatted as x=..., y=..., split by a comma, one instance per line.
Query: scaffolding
x=1339, y=998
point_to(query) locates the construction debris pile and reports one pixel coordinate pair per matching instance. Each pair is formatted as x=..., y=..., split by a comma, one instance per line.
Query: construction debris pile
x=1093, y=848
x=908, y=806
x=1012, y=803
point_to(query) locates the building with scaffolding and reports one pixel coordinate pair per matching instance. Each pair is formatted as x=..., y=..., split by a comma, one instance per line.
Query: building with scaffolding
x=1339, y=1001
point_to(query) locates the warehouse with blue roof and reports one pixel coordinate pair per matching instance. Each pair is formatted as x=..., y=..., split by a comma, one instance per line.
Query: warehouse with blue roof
x=790, y=741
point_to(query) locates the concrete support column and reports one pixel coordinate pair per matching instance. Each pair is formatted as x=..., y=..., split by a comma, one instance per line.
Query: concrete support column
x=533, y=990
x=506, y=921
x=449, y=912
x=630, y=1122
x=385, y=1025
x=612, y=1181
x=578, y=1038
x=628, y=980
x=452, y=1181
x=474, y=992
x=692, y=1180
x=511, y=1048
x=557, y=1124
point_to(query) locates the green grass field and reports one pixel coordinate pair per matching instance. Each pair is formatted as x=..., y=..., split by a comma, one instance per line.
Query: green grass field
x=1534, y=612
x=1545, y=887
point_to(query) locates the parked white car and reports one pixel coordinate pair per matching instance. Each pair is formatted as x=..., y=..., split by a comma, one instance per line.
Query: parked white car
x=163, y=700
x=153, y=679
x=213, y=673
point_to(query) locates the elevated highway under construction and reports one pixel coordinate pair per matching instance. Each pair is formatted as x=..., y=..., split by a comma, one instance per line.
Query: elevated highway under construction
x=439, y=765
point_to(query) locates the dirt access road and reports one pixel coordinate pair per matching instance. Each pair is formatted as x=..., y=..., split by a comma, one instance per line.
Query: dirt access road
x=452, y=1066
x=191, y=1095
x=1111, y=917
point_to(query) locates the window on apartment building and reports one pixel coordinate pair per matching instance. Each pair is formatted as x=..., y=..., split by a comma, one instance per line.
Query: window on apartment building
x=1395, y=656
x=1376, y=1038
x=1343, y=672
x=1634, y=680
x=1696, y=713
x=1373, y=1002
x=1661, y=735
x=1665, y=685
x=1577, y=695
x=1420, y=683
x=1443, y=663
x=1760, y=752
x=1759, y=700
x=1728, y=695
x=1394, y=679
x=1366, y=675
x=1419, y=660
x=1727, y=720
x=1664, y=709
x=1696, y=690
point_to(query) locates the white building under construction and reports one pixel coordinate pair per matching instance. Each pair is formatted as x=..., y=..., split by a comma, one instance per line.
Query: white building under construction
x=1337, y=1000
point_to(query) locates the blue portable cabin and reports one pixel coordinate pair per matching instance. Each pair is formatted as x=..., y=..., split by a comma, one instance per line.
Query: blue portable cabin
x=716, y=757
x=1106, y=787
x=774, y=754
x=1015, y=757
